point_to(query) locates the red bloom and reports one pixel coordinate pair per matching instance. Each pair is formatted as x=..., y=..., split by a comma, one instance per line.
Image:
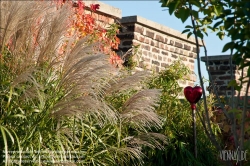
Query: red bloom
x=94, y=7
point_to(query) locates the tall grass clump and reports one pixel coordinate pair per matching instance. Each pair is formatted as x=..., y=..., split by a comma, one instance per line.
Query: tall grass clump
x=54, y=107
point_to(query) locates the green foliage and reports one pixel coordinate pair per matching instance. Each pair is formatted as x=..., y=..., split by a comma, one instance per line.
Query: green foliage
x=117, y=100
x=53, y=107
x=177, y=125
x=129, y=58
x=177, y=121
x=227, y=18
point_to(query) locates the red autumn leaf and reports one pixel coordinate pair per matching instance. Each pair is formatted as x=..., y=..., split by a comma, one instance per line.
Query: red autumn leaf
x=94, y=7
x=80, y=7
x=82, y=24
x=115, y=59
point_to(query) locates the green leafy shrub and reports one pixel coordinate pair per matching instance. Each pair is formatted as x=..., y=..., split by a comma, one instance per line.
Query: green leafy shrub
x=177, y=125
x=53, y=107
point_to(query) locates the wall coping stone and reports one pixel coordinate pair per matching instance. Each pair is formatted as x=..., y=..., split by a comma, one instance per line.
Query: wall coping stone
x=215, y=58
x=106, y=9
x=158, y=27
x=218, y=58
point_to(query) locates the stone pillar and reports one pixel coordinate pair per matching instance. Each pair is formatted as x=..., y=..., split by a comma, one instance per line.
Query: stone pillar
x=219, y=68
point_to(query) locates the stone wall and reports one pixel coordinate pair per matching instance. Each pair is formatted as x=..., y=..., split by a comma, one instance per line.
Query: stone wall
x=219, y=68
x=159, y=45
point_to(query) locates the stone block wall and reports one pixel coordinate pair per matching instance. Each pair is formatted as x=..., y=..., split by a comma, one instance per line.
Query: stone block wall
x=159, y=45
x=219, y=68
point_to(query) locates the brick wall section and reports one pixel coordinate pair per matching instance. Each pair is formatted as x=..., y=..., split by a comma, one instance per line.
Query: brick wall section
x=159, y=45
x=219, y=68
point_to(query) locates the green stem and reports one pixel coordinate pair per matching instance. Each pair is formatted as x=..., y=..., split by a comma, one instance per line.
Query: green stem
x=211, y=80
x=210, y=134
x=244, y=110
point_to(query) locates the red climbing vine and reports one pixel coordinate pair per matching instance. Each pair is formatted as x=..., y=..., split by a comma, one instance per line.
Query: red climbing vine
x=83, y=24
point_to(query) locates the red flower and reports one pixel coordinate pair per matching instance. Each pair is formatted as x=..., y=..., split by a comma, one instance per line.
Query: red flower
x=94, y=7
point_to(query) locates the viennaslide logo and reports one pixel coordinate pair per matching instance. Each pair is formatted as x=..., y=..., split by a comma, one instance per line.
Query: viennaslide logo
x=235, y=155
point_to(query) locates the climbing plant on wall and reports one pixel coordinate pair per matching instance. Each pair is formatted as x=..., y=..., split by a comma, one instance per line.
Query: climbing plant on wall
x=52, y=98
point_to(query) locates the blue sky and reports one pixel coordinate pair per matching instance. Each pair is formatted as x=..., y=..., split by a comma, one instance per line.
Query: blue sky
x=153, y=11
